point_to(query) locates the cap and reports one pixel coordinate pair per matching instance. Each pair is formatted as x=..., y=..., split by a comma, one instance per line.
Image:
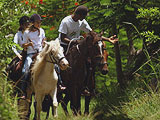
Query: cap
x=24, y=19
x=82, y=10
x=35, y=17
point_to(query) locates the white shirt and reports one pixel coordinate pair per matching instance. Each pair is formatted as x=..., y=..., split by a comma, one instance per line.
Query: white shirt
x=72, y=29
x=18, y=39
x=30, y=36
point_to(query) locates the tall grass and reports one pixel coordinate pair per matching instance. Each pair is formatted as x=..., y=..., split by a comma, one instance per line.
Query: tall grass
x=8, y=105
x=139, y=101
x=62, y=116
x=145, y=107
x=9, y=108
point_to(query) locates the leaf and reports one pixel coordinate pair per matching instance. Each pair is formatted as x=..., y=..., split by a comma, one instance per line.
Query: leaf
x=107, y=83
x=105, y=2
x=107, y=12
x=129, y=8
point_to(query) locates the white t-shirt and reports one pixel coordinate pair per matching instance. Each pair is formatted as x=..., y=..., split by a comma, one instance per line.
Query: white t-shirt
x=35, y=38
x=72, y=29
x=18, y=39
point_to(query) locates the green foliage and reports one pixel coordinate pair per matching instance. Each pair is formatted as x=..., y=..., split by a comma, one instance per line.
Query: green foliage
x=141, y=15
x=150, y=37
x=151, y=13
x=145, y=107
x=8, y=105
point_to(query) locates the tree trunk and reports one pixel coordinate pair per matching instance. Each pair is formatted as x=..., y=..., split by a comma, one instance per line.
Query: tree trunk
x=120, y=75
x=131, y=50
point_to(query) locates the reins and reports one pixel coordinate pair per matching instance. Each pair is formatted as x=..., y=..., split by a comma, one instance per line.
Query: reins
x=71, y=42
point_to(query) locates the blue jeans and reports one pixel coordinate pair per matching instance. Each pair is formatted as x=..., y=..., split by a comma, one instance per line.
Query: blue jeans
x=58, y=73
x=25, y=72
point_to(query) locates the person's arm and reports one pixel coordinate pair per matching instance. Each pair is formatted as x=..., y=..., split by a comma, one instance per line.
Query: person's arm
x=111, y=39
x=26, y=43
x=14, y=47
x=64, y=38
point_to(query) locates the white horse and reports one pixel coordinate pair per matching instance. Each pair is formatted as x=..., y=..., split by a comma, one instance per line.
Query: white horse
x=44, y=76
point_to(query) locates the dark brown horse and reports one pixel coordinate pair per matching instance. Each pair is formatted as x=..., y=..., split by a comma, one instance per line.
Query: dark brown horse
x=103, y=68
x=73, y=78
x=90, y=78
x=14, y=72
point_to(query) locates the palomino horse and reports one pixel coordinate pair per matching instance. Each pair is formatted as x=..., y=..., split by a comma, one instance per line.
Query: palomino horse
x=77, y=56
x=44, y=76
x=90, y=78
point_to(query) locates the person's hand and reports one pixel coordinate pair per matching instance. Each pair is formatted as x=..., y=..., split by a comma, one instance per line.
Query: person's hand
x=20, y=56
x=74, y=42
x=113, y=39
x=30, y=44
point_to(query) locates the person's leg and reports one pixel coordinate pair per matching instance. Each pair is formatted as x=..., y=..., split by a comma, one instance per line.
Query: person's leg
x=60, y=83
x=25, y=74
x=85, y=90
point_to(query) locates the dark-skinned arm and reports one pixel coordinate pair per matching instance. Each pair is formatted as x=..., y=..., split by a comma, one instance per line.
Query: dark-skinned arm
x=64, y=38
x=111, y=39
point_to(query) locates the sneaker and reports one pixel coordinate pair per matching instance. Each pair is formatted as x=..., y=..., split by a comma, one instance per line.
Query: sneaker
x=85, y=92
x=23, y=97
x=61, y=88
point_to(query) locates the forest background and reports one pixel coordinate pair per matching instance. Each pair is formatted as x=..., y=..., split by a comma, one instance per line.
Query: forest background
x=128, y=90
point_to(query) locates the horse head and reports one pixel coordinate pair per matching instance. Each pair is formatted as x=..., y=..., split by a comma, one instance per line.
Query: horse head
x=103, y=67
x=56, y=54
x=97, y=51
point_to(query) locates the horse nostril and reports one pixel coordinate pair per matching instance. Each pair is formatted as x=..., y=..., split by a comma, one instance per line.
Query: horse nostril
x=104, y=72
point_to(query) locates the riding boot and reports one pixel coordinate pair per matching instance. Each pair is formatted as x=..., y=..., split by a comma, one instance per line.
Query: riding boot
x=24, y=85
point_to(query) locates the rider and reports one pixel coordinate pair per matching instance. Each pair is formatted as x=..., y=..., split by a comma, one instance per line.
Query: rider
x=18, y=38
x=18, y=61
x=33, y=40
x=71, y=27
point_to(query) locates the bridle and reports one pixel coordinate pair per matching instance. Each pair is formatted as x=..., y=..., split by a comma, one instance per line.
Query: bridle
x=53, y=59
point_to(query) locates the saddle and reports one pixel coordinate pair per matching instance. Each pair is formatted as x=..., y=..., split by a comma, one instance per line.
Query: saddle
x=14, y=68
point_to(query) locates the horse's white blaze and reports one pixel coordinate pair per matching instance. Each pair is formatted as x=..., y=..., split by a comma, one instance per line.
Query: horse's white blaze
x=100, y=44
x=44, y=75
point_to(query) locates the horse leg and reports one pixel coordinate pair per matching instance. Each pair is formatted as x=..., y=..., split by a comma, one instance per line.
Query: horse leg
x=35, y=111
x=72, y=105
x=73, y=100
x=87, y=101
x=64, y=103
x=29, y=109
x=39, y=100
x=79, y=103
x=47, y=113
x=55, y=103
x=52, y=109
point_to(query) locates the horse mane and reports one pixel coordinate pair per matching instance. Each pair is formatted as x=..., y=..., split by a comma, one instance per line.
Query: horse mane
x=39, y=63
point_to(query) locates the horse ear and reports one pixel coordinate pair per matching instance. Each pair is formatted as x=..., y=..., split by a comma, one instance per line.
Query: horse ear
x=101, y=32
x=45, y=42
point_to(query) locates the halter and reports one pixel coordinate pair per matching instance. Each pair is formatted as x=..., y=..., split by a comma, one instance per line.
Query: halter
x=98, y=56
x=53, y=59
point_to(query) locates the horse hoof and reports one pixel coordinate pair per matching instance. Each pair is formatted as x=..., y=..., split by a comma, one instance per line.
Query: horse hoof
x=55, y=104
x=55, y=116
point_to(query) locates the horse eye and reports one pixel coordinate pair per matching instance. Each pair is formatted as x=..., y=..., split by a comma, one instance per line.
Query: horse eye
x=104, y=48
